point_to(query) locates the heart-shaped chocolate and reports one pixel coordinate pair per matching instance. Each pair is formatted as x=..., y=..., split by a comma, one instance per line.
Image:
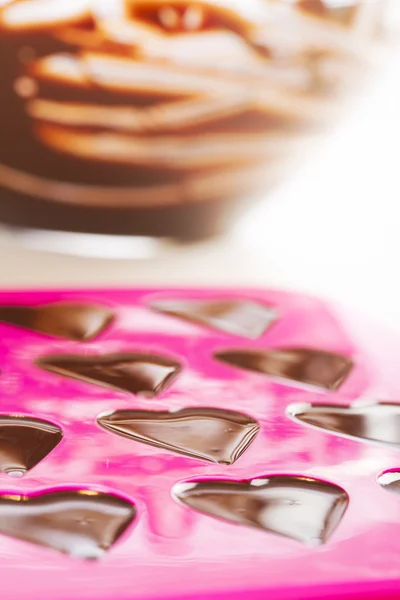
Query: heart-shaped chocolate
x=240, y=317
x=81, y=523
x=71, y=320
x=300, y=508
x=379, y=422
x=144, y=374
x=306, y=366
x=219, y=436
x=24, y=442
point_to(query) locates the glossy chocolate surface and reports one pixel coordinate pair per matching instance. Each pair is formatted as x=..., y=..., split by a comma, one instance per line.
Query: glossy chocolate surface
x=144, y=374
x=245, y=318
x=74, y=321
x=82, y=523
x=373, y=422
x=24, y=442
x=310, y=367
x=304, y=509
x=219, y=436
x=390, y=481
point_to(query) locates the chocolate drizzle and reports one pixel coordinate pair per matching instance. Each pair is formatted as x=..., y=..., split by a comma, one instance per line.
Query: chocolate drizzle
x=304, y=509
x=144, y=374
x=306, y=366
x=24, y=442
x=74, y=321
x=81, y=523
x=214, y=435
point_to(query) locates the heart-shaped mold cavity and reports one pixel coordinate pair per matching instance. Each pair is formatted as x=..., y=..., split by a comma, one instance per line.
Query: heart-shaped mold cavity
x=81, y=523
x=144, y=374
x=239, y=317
x=214, y=435
x=303, y=509
x=378, y=422
x=310, y=367
x=70, y=320
x=24, y=442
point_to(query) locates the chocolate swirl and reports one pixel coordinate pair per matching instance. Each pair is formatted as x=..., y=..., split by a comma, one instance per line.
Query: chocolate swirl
x=156, y=102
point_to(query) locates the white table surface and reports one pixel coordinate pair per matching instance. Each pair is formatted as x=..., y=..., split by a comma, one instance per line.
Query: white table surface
x=332, y=229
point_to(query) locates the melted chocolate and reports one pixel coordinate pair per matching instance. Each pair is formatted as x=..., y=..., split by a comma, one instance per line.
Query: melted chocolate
x=304, y=509
x=122, y=122
x=180, y=16
x=310, y=367
x=343, y=12
x=74, y=321
x=240, y=317
x=84, y=97
x=83, y=523
x=219, y=436
x=373, y=422
x=24, y=442
x=183, y=17
x=144, y=374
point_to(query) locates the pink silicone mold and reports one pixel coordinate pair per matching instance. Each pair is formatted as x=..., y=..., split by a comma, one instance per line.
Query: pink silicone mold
x=236, y=444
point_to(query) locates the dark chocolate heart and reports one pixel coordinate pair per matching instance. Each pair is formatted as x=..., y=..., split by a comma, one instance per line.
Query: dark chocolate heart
x=82, y=523
x=24, y=442
x=240, y=317
x=379, y=422
x=71, y=320
x=300, y=508
x=210, y=434
x=144, y=374
x=310, y=367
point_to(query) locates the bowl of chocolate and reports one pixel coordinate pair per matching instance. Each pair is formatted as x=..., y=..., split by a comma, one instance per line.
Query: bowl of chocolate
x=163, y=118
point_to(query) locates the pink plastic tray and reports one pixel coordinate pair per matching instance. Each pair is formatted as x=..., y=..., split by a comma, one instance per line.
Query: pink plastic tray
x=167, y=549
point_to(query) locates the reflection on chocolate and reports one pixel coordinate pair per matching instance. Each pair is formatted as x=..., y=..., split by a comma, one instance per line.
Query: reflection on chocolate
x=39, y=16
x=81, y=523
x=219, y=436
x=390, y=481
x=179, y=16
x=183, y=17
x=74, y=321
x=181, y=102
x=24, y=442
x=343, y=11
x=240, y=317
x=304, y=509
x=310, y=367
x=372, y=422
x=144, y=374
